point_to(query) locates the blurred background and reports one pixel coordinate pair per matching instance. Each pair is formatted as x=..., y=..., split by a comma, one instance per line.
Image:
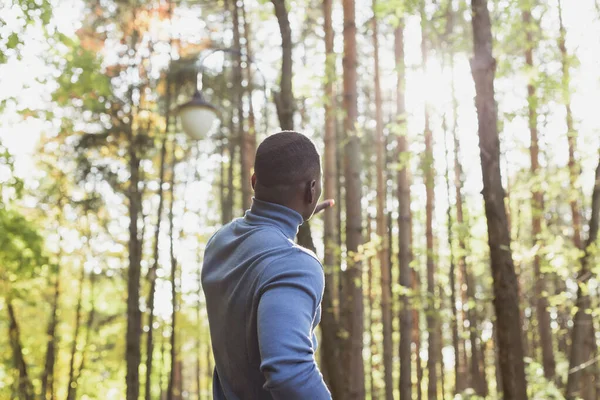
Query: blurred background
x=127, y=136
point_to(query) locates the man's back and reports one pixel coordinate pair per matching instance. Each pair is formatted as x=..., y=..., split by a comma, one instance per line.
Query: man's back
x=263, y=296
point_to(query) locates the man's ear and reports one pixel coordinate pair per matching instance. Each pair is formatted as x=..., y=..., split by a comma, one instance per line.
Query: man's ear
x=310, y=194
x=253, y=181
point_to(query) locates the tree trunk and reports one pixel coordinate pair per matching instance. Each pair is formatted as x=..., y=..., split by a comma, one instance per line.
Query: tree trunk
x=249, y=142
x=429, y=172
x=209, y=368
x=284, y=100
x=232, y=147
x=506, y=294
x=330, y=351
x=245, y=157
x=563, y=313
x=476, y=370
x=370, y=319
x=172, y=391
x=72, y=393
x=382, y=249
x=580, y=382
x=199, y=331
x=340, y=206
x=153, y=270
x=163, y=368
x=416, y=288
x=352, y=360
x=72, y=373
x=24, y=383
x=134, y=315
x=50, y=360
x=458, y=372
x=537, y=201
x=404, y=222
x=571, y=132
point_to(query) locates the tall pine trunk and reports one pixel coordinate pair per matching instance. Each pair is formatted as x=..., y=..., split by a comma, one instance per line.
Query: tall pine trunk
x=458, y=376
x=582, y=362
x=404, y=222
x=476, y=370
x=245, y=156
x=429, y=172
x=134, y=315
x=571, y=132
x=24, y=386
x=249, y=142
x=72, y=393
x=506, y=294
x=537, y=205
x=50, y=359
x=352, y=360
x=330, y=351
x=153, y=270
x=370, y=318
x=173, y=388
x=284, y=100
x=563, y=313
x=72, y=370
x=382, y=249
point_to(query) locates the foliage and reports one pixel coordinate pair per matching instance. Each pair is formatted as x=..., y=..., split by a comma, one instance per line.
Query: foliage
x=20, y=14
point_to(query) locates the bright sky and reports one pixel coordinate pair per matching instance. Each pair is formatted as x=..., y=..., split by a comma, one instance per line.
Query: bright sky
x=18, y=78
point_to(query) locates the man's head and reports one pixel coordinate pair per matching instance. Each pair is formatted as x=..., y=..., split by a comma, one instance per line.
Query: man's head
x=287, y=171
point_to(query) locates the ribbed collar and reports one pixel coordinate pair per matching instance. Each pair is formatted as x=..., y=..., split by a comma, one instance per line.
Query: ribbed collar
x=265, y=213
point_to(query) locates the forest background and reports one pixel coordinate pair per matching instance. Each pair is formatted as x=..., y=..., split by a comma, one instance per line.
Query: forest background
x=460, y=259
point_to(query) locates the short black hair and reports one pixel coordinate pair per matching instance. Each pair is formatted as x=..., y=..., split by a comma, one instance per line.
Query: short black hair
x=286, y=158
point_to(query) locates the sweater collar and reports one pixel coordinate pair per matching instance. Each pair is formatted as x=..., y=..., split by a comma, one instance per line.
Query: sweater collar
x=265, y=213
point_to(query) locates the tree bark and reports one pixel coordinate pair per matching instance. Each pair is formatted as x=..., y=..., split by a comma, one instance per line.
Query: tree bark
x=232, y=149
x=24, y=383
x=353, y=307
x=153, y=270
x=382, y=249
x=506, y=295
x=404, y=221
x=537, y=204
x=571, y=132
x=72, y=393
x=476, y=370
x=249, y=142
x=50, y=360
x=199, y=307
x=330, y=351
x=458, y=373
x=370, y=319
x=245, y=156
x=284, y=100
x=134, y=315
x=72, y=373
x=172, y=391
x=574, y=171
x=429, y=172
x=580, y=381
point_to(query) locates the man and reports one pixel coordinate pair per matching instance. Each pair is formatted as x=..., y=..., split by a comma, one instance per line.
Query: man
x=263, y=292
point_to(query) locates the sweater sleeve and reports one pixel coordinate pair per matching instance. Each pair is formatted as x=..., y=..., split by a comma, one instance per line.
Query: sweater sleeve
x=291, y=292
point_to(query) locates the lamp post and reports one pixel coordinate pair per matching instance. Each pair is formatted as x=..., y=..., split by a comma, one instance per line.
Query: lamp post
x=198, y=115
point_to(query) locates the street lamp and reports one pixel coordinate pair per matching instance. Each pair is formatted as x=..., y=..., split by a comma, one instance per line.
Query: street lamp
x=198, y=115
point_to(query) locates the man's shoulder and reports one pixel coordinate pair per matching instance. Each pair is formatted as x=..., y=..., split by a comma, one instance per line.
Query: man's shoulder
x=307, y=254
x=297, y=263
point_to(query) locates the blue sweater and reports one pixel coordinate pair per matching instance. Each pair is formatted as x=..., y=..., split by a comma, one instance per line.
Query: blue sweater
x=263, y=296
